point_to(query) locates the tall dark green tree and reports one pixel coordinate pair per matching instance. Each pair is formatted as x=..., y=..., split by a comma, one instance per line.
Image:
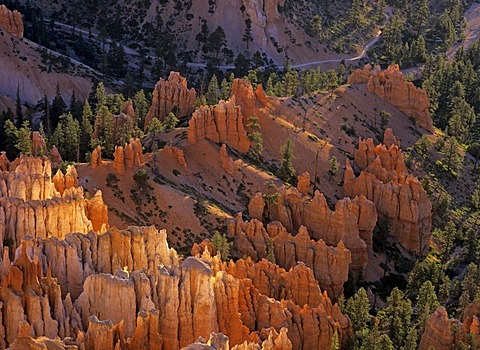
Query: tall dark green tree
x=287, y=172
x=58, y=108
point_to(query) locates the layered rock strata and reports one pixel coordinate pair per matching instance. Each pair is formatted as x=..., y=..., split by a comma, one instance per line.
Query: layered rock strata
x=171, y=95
x=222, y=123
x=393, y=87
x=398, y=196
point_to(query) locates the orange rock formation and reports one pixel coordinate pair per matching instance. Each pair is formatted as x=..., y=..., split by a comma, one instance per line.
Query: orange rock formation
x=330, y=264
x=222, y=123
x=169, y=95
x=11, y=22
x=351, y=222
x=127, y=157
x=398, y=196
x=31, y=203
x=393, y=87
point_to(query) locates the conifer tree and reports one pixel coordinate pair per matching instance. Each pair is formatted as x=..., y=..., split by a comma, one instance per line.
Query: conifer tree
x=86, y=130
x=100, y=97
x=170, y=122
x=255, y=137
x=140, y=105
x=427, y=303
x=222, y=245
x=18, y=109
x=287, y=172
x=59, y=107
x=213, y=93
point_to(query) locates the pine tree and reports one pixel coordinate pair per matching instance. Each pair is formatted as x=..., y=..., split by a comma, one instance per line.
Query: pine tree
x=170, y=122
x=427, y=303
x=103, y=131
x=225, y=88
x=59, y=107
x=333, y=164
x=247, y=36
x=18, y=109
x=86, y=130
x=222, y=245
x=100, y=97
x=358, y=308
x=287, y=172
x=255, y=137
x=140, y=105
x=213, y=93
x=450, y=154
x=19, y=137
x=397, y=317
x=335, y=342
x=66, y=137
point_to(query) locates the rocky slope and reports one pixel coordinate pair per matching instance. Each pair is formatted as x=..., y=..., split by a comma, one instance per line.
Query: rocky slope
x=393, y=87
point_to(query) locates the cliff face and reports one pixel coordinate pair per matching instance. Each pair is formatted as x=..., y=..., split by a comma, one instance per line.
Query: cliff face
x=169, y=95
x=222, y=123
x=330, y=264
x=11, y=22
x=352, y=222
x=34, y=204
x=398, y=196
x=393, y=87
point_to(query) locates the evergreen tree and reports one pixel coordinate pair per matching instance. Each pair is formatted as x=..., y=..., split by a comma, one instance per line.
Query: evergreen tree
x=18, y=109
x=255, y=137
x=75, y=106
x=450, y=154
x=247, y=36
x=59, y=107
x=222, y=245
x=470, y=286
x=213, y=93
x=100, y=97
x=427, y=303
x=66, y=137
x=140, y=105
x=19, y=137
x=397, y=317
x=335, y=342
x=287, y=172
x=333, y=164
x=358, y=308
x=170, y=122
x=103, y=131
x=225, y=88
x=421, y=15
x=86, y=130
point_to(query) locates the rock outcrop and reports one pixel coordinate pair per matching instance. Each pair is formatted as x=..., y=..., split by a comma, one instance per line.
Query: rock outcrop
x=293, y=210
x=11, y=22
x=265, y=16
x=398, y=196
x=226, y=161
x=128, y=156
x=177, y=154
x=96, y=159
x=438, y=332
x=33, y=203
x=222, y=123
x=393, y=87
x=303, y=183
x=330, y=264
x=169, y=95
